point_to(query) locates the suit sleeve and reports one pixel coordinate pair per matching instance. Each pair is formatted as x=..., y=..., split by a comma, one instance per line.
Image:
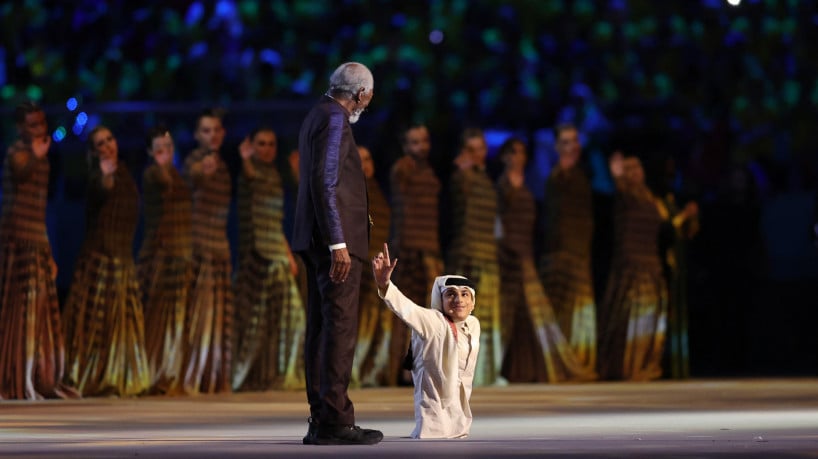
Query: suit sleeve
x=326, y=175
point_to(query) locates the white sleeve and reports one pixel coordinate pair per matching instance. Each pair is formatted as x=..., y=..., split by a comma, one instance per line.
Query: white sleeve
x=424, y=321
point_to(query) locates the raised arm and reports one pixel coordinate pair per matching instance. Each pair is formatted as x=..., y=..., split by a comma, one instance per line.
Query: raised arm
x=617, y=167
x=196, y=169
x=423, y=321
x=159, y=177
x=22, y=162
x=246, y=152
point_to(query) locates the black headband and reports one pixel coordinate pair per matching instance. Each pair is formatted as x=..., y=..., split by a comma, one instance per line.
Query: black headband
x=460, y=282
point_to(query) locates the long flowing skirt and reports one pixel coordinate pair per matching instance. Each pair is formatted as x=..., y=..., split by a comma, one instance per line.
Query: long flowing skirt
x=104, y=326
x=206, y=367
x=32, y=352
x=536, y=350
x=270, y=326
x=486, y=276
x=677, y=355
x=634, y=320
x=165, y=281
x=301, y=278
x=567, y=282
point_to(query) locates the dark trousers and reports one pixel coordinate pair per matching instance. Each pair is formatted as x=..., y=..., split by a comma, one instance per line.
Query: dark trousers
x=331, y=335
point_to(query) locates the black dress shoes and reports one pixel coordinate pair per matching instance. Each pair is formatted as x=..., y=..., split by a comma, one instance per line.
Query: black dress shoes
x=309, y=439
x=345, y=435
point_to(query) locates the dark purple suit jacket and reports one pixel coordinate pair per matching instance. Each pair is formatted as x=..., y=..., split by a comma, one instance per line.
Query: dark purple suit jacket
x=332, y=199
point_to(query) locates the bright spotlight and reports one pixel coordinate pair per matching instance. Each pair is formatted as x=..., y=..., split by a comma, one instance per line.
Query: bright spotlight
x=734, y=2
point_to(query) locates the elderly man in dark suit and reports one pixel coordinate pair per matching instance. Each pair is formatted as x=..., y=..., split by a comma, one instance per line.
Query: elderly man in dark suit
x=331, y=232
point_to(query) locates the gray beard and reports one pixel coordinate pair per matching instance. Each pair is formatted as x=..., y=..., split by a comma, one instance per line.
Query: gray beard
x=354, y=116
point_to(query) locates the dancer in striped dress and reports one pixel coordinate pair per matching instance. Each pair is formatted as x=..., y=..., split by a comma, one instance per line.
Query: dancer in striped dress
x=103, y=317
x=415, y=239
x=674, y=246
x=473, y=253
x=633, y=316
x=206, y=367
x=32, y=351
x=535, y=348
x=270, y=315
x=566, y=265
x=165, y=262
x=372, y=360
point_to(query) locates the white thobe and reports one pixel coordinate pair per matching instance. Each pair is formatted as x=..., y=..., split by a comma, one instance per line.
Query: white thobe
x=443, y=370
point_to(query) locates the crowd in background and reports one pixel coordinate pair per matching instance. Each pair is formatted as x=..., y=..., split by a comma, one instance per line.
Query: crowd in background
x=175, y=319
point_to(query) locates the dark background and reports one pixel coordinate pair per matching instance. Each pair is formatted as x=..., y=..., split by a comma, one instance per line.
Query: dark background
x=726, y=94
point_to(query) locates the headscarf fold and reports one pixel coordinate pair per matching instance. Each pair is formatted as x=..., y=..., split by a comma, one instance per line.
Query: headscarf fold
x=444, y=282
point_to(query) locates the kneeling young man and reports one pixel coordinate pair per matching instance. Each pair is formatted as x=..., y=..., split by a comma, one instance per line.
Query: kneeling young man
x=445, y=342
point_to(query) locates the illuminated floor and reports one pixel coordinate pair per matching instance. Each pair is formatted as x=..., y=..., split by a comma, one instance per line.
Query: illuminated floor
x=726, y=418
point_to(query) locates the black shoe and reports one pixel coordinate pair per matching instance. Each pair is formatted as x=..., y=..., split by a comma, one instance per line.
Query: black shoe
x=347, y=435
x=309, y=439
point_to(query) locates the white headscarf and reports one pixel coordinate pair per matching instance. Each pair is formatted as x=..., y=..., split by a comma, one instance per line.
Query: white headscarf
x=444, y=282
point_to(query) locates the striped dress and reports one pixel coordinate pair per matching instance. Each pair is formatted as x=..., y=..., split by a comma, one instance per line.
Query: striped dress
x=165, y=273
x=103, y=316
x=32, y=352
x=206, y=367
x=634, y=311
x=372, y=359
x=415, y=223
x=270, y=315
x=536, y=349
x=675, y=258
x=473, y=254
x=566, y=267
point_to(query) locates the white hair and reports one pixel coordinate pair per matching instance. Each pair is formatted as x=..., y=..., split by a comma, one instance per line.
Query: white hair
x=349, y=78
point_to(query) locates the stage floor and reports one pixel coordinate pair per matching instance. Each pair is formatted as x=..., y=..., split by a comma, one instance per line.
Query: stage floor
x=699, y=418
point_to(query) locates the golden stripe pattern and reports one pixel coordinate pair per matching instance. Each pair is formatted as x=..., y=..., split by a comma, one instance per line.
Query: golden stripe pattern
x=271, y=324
x=211, y=204
x=168, y=213
x=536, y=349
x=25, y=195
x=474, y=208
x=271, y=318
x=474, y=255
x=32, y=352
x=207, y=365
x=415, y=240
x=371, y=360
x=261, y=212
x=634, y=311
x=103, y=317
x=165, y=273
x=566, y=265
x=415, y=209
